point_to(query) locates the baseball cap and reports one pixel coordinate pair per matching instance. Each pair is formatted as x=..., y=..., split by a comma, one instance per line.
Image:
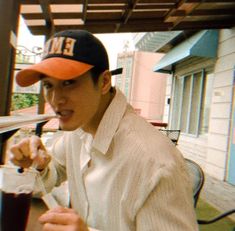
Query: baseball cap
x=67, y=55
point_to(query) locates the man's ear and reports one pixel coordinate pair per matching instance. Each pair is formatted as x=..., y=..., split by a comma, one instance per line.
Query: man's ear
x=106, y=83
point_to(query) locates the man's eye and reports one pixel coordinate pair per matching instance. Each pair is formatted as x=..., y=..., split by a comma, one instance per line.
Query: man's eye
x=68, y=82
x=47, y=85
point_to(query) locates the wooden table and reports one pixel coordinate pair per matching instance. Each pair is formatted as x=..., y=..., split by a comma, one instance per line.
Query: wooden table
x=37, y=209
x=10, y=124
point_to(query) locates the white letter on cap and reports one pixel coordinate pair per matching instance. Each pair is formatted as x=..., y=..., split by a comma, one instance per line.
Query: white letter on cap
x=56, y=46
x=69, y=46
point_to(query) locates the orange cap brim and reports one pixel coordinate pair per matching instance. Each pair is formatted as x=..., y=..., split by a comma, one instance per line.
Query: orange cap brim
x=58, y=68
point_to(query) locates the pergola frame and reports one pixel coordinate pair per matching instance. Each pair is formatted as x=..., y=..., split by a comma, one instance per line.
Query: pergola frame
x=108, y=16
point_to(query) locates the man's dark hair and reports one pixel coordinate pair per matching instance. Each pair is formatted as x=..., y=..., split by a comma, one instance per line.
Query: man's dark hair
x=95, y=73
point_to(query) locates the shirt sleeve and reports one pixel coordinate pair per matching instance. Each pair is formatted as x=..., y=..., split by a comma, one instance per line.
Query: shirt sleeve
x=55, y=173
x=169, y=206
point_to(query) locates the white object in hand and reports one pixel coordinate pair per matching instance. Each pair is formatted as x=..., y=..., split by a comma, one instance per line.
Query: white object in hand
x=50, y=201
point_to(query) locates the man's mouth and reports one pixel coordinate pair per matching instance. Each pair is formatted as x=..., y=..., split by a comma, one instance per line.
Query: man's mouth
x=63, y=114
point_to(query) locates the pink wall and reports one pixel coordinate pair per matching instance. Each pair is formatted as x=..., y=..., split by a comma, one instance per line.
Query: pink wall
x=148, y=87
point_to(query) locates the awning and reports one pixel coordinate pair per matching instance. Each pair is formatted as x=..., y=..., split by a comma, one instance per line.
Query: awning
x=202, y=44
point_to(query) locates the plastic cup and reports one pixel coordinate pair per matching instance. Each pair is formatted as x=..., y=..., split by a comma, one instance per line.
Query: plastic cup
x=16, y=188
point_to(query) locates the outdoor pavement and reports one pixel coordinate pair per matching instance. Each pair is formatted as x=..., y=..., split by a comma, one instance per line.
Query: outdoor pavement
x=219, y=194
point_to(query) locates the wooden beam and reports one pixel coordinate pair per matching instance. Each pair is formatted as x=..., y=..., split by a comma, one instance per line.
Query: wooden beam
x=213, y=24
x=9, y=17
x=105, y=7
x=110, y=27
x=140, y=26
x=127, y=13
x=84, y=11
x=163, y=2
x=65, y=2
x=46, y=11
x=9, y=13
x=166, y=12
x=159, y=1
x=182, y=5
x=207, y=12
x=94, y=15
x=91, y=16
x=153, y=6
x=212, y=1
x=130, y=22
x=172, y=11
x=98, y=16
x=211, y=12
x=54, y=15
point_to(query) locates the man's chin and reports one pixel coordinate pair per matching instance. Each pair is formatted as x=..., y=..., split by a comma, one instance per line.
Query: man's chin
x=67, y=128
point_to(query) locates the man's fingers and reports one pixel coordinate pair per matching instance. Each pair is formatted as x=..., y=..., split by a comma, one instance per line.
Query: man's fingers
x=16, y=153
x=16, y=162
x=61, y=218
x=53, y=227
x=24, y=149
x=34, y=145
x=57, y=218
x=41, y=160
x=29, y=151
x=60, y=209
x=24, y=163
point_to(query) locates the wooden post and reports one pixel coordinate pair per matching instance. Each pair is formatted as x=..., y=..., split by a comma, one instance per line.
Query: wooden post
x=9, y=19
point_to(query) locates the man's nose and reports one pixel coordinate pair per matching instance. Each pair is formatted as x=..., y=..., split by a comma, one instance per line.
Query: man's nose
x=58, y=96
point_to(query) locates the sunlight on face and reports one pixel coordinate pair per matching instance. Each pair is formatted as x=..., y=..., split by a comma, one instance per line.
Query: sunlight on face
x=75, y=101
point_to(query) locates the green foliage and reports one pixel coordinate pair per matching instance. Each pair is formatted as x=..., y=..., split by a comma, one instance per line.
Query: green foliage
x=23, y=100
x=206, y=212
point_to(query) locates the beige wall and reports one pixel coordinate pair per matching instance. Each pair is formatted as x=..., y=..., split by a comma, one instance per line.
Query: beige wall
x=211, y=150
x=220, y=116
x=194, y=147
x=166, y=112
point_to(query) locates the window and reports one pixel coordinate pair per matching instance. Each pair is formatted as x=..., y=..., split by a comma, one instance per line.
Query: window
x=206, y=103
x=192, y=98
x=123, y=81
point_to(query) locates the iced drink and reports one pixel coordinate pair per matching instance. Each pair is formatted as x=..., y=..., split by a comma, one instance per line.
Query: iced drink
x=15, y=196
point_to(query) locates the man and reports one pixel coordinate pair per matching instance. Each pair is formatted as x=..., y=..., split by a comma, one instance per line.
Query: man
x=123, y=174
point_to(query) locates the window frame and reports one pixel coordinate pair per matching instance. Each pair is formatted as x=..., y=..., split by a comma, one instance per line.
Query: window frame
x=178, y=123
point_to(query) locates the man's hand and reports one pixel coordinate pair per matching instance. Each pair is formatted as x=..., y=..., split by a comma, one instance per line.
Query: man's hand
x=62, y=219
x=30, y=152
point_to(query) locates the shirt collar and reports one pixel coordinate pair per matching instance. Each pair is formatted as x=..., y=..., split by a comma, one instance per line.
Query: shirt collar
x=86, y=138
x=86, y=145
x=109, y=123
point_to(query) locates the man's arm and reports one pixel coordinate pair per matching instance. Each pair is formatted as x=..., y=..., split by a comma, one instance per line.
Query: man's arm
x=169, y=206
x=55, y=173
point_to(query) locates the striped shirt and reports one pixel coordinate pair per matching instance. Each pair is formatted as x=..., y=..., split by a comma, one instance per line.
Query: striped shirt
x=129, y=177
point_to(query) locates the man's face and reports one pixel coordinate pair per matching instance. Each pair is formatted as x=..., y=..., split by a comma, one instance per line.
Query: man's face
x=75, y=101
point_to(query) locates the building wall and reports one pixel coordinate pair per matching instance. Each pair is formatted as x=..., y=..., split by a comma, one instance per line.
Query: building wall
x=194, y=147
x=220, y=117
x=166, y=113
x=147, y=88
x=211, y=150
x=123, y=81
